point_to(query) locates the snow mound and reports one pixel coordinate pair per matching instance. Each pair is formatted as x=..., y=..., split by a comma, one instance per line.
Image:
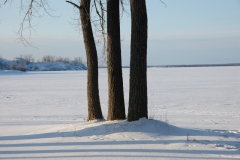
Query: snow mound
x=124, y=130
x=143, y=137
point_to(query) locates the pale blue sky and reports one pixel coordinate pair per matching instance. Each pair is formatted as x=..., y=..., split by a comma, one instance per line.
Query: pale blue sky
x=184, y=32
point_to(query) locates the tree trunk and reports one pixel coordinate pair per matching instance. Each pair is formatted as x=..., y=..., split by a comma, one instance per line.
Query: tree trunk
x=138, y=62
x=116, y=106
x=94, y=108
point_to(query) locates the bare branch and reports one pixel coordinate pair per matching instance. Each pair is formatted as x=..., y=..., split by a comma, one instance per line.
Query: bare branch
x=163, y=3
x=75, y=5
x=31, y=9
x=100, y=27
x=5, y=1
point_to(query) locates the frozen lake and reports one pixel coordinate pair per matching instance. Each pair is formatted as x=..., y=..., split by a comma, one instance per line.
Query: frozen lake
x=210, y=95
x=206, y=98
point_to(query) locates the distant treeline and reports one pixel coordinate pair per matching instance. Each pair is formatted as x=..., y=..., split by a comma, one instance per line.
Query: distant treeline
x=48, y=63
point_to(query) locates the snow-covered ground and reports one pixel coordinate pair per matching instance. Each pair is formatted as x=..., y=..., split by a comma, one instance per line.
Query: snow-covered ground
x=196, y=114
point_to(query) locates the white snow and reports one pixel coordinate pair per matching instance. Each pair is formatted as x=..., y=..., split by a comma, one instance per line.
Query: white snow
x=195, y=112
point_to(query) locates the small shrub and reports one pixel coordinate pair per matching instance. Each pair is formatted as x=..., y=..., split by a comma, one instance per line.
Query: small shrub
x=48, y=58
x=14, y=67
x=8, y=67
x=78, y=60
x=21, y=67
x=59, y=59
x=28, y=58
x=66, y=60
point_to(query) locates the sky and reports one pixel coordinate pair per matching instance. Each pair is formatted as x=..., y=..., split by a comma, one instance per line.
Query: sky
x=182, y=32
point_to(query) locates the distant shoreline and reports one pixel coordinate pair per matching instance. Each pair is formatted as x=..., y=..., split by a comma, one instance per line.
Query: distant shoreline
x=186, y=65
x=197, y=65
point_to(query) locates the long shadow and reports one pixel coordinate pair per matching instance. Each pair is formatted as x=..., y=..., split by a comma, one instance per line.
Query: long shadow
x=114, y=143
x=95, y=143
x=150, y=127
x=31, y=136
x=174, y=151
x=116, y=156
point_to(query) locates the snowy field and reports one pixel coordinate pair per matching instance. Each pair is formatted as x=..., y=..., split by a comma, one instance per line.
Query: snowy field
x=195, y=112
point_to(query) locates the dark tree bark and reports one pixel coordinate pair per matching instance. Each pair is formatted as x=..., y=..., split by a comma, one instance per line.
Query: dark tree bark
x=138, y=62
x=116, y=106
x=94, y=108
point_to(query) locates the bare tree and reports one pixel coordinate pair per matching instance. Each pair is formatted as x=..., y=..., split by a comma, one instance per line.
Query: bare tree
x=138, y=61
x=33, y=8
x=116, y=107
x=28, y=58
x=78, y=60
x=138, y=64
x=59, y=59
x=48, y=58
x=94, y=108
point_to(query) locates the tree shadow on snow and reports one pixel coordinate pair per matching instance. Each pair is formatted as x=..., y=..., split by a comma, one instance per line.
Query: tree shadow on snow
x=150, y=129
x=144, y=126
